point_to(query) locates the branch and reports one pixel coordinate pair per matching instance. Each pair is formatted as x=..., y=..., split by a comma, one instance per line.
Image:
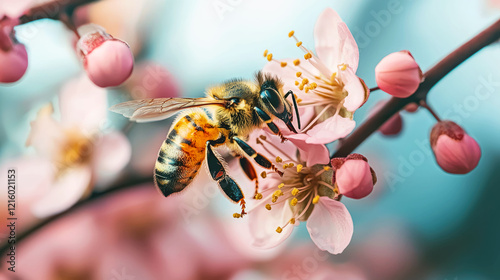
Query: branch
x=431, y=78
x=52, y=10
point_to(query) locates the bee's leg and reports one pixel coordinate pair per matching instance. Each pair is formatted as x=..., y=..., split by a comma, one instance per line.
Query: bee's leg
x=259, y=159
x=267, y=119
x=294, y=105
x=249, y=170
x=226, y=183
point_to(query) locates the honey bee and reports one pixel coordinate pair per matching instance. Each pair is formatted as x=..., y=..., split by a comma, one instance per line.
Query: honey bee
x=226, y=116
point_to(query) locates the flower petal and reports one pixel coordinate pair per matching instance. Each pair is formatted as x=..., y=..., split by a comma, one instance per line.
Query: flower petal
x=330, y=130
x=83, y=104
x=69, y=187
x=334, y=42
x=263, y=224
x=46, y=134
x=330, y=226
x=112, y=152
x=310, y=153
x=355, y=89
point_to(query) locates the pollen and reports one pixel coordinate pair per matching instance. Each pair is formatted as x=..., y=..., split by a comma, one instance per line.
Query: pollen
x=258, y=196
x=299, y=166
x=290, y=34
x=265, y=53
x=236, y=215
x=296, y=62
x=283, y=64
x=275, y=198
x=278, y=159
x=299, y=44
x=307, y=89
x=263, y=174
x=297, y=83
x=343, y=66
x=299, y=100
x=326, y=167
x=290, y=164
x=298, y=74
x=278, y=193
x=295, y=191
x=301, y=87
x=315, y=199
x=279, y=230
x=313, y=85
x=306, y=56
x=305, y=81
x=270, y=57
x=294, y=201
x=281, y=185
x=285, y=166
x=292, y=221
x=268, y=207
x=334, y=75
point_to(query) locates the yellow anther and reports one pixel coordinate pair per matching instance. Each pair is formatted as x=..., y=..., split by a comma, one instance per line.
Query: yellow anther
x=265, y=53
x=301, y=87
x=283, y=64
x=296, y=83
x=291, y=164
x=278, y=159
x=268, y=207
x=275, y=198
x=343, y=67
x=279, y=230
x=298, y=74
x=299, y=100
x=292, y=221
x=296, y=62
x=307, y=90
x=258, y=196
x=285, y=166
x=307, y=55
x=278, y=193
x=281, y=186
x=236, y=215
x=334, y=75
x=299, y=166
x=313, y=85
x=316, y=199
x=294, y=201
x=299, y=44
x=326, y=167
x=270, y=57
x=263, y=174
x=305, y=81
x=290, y=34
x=263, y=137
x=295, y=191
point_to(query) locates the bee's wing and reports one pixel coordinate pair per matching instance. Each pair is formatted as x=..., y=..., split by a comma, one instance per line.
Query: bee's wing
x=149, y=110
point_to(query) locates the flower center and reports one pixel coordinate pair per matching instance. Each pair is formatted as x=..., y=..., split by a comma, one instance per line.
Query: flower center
x=300, y=187
x=76, y=150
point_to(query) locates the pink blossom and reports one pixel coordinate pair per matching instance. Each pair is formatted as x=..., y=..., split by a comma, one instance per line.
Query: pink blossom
x=108, y=61
x=353, y=176
x=398, y=74
x=75, y=146
x=286, y=201
x=325, y=81
x=456, y=152
x=13, y=55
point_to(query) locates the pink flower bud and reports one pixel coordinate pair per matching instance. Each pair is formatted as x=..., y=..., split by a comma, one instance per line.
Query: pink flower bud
x=456, y=152
x=398, y=74
x=392, y=126
x=108, y=61
x=13, y=55
x=412, y=107
x=151, y=80
x=353, y=176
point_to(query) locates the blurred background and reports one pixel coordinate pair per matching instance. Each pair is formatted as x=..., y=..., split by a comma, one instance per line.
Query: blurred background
x=420, y=222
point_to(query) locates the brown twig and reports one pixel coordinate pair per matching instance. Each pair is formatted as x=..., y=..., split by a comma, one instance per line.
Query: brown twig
x=52, y=10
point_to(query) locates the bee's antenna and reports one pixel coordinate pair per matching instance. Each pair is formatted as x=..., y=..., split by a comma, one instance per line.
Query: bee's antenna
x=294, y=105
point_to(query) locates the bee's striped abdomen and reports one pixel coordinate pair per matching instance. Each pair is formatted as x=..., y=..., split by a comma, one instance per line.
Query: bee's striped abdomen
x=183, y=152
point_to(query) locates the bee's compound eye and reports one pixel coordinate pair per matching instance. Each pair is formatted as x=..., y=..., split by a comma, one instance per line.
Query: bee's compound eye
x=271, y=97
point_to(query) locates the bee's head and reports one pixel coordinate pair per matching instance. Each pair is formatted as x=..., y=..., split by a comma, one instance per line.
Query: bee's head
x=274, y=101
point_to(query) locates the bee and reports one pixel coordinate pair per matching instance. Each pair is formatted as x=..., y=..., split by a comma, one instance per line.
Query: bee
x=226, y=116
